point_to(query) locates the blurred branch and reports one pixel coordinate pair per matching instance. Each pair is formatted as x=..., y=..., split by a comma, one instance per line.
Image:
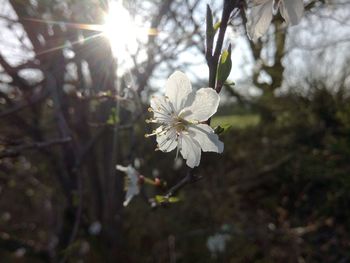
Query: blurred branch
x=22, y=105
x=10, y=244
x=15, y=151
x=13, y=72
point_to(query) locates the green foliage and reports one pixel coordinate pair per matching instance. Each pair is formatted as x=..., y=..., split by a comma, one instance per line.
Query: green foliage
x=222, y=129
x=235, y=121
x=216, y=26
x=113, y=118
x=225, y=66
x=163, y=199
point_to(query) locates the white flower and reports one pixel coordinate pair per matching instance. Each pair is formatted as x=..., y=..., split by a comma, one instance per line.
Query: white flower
x=95, y=228
x=217, y=243
x=132, y=185
x=262, y=11
x=181, y=114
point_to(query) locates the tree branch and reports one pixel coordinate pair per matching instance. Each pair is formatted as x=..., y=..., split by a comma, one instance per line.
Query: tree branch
x=188, y=179
x=15, y=151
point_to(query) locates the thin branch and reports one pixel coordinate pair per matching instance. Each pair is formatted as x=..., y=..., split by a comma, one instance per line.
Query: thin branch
x=188, y=179
x=15, y=151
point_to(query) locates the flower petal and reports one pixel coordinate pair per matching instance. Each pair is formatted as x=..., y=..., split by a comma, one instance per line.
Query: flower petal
x=260, y=19
x=206, y=138
x=177, y=88
x=130, y=193
x=162, y=108
x=167, y=141
x=292, y=11
x=190, y=150
x=204, y=105
x=132, y=187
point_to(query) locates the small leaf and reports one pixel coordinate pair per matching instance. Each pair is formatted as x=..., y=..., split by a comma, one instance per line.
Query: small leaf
x=225, y=65
x=216, y=26
x=219, y=129
x=163, y=199
x=222, y=129
x=113, y=117
x=173, y=199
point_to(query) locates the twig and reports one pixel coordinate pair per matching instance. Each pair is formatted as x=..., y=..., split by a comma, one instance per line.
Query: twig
x=15, y=151
x=213, y=59
x=189, y=178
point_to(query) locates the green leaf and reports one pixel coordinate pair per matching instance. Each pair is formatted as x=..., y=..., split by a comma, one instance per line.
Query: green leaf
x=225, y=65
x=163, y=199
x=216, y=26
x=113, y=118
x=223, y=128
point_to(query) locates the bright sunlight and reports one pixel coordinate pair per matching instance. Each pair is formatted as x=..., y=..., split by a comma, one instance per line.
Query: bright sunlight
x=122, y=31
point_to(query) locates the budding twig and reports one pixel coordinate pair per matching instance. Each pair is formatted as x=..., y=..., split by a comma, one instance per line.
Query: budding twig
x=213, y=59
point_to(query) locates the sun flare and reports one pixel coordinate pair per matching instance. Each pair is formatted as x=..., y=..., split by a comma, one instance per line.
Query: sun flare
x=121, y=30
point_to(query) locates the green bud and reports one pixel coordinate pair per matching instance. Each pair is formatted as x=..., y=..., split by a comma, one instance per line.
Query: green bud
x=224, y=67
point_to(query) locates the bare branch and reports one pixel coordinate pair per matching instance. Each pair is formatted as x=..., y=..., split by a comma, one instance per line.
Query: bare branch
x=15, y=151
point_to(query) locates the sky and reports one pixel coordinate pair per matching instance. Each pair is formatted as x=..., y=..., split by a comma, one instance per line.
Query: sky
x=322, y=32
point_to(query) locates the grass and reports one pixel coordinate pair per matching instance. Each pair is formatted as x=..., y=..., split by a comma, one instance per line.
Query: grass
x=236, y=121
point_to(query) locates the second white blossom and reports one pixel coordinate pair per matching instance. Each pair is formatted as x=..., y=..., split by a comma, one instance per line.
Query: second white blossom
x=262, y=13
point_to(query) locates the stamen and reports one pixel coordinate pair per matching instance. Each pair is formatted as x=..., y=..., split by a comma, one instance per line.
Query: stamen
x=151, y=134
x=153, y=120
x=164, y=107
x=166, y=115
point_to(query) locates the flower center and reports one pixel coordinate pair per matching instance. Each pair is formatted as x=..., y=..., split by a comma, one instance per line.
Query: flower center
x=180, y=124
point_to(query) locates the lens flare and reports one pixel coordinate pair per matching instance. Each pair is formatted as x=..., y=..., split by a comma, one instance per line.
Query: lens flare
x=121, y=31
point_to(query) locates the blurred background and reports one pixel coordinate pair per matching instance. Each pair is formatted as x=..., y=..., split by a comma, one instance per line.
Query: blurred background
x=75, y=82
